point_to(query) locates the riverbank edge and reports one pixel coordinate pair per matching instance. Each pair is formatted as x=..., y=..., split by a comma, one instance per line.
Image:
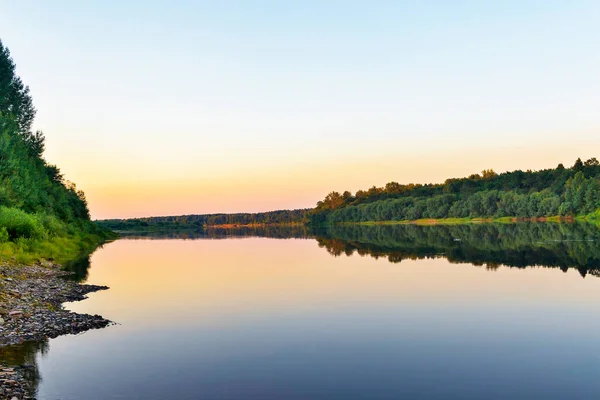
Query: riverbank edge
x=32, y=308
x=464, y=221
x=13, y=385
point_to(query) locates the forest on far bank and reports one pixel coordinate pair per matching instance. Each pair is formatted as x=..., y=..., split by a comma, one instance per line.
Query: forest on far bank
x=563, y=192
x=199, y=221
x=566, y=192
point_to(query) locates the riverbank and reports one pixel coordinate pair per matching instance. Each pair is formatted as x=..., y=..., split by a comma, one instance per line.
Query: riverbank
x=462, y=221
x=31, y=300
x=31, y=309
x=13, y=384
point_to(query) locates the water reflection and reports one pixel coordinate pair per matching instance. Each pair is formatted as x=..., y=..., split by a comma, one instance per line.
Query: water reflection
x=24, y=355
x=519, y=245
x=275, y=232
x=525, y=244
x=237, y=314
x=79, y=267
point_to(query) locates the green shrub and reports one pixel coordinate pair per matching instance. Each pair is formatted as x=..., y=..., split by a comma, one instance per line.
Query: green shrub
x=52, y=224
x=19, y=224
x=3, y=235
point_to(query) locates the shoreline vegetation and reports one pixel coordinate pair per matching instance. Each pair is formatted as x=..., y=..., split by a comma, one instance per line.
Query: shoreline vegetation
x=565, y=193
x=551, y=195
x=298, y=217
x=127, y=226
x=42, y=214
x=429, y=221
x=460, y=221
x=44, y=224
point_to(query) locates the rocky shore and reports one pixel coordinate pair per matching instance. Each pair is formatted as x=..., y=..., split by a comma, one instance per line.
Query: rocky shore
x=13, y=385
x=31, y=309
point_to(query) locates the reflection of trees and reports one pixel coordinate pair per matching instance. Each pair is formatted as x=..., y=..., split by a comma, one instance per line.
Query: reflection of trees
x=80, y=268
x=269, y=231
x=24, y=355
x=515, y=245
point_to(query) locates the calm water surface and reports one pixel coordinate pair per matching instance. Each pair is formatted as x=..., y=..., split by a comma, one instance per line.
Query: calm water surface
x=265, y=318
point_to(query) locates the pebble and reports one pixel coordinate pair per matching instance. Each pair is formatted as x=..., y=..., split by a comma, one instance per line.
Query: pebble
x=31, y=309
x=13, y=385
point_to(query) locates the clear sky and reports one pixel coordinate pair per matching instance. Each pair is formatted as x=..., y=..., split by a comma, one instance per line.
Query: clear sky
x=178, y=107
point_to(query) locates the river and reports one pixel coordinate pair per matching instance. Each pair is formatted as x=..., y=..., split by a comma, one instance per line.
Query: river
x=355, y=313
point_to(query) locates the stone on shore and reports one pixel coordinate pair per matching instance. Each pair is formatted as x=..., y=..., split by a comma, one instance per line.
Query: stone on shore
x=31, y=309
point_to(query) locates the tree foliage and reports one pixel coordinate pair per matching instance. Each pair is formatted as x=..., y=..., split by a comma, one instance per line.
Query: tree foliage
x=27, y=182
x=530, y=194
x=190, y=222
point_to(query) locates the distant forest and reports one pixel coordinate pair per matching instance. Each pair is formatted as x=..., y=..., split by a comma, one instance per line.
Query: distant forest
x=194, y=222
x=560, y=191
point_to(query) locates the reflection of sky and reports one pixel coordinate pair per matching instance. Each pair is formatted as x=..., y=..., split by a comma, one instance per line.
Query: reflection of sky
x=263, y=318
x=158, y=108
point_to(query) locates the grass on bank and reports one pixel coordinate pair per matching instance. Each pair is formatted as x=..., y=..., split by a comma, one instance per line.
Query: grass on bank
x=26, y=238
x=594, y=217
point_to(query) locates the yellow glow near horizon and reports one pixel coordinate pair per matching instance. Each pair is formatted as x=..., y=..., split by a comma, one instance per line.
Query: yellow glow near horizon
x=203, y=190
x=201, y=112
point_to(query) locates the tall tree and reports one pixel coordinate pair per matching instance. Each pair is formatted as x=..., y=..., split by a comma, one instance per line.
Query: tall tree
x=15, y=98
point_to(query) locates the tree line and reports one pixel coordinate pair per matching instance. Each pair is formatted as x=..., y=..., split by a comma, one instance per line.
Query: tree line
x=36, y=201
x=561, y=191
x=200, y=221
x=27, y=181
x=531, y=194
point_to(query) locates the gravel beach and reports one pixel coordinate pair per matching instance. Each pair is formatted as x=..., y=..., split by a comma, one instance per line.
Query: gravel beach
x=31, y=309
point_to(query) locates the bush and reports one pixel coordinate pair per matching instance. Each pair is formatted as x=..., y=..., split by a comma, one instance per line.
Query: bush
x=3, y=235
x=19, y=224
x=52, y=224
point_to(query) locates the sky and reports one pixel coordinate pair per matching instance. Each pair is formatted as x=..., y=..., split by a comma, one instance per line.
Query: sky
x=190, y=107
